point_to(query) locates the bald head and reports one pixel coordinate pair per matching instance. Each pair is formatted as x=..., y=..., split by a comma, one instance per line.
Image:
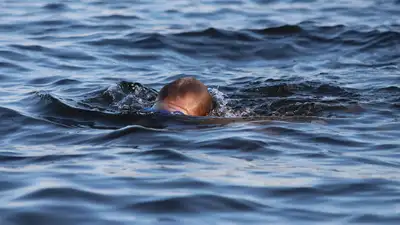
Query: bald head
x=187, y=95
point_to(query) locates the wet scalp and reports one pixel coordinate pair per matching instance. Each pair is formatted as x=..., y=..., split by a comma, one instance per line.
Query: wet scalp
x=193, y=91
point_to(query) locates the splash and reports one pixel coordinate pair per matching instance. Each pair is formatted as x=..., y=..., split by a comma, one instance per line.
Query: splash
x=304, y=99
x=223, y=105
x=128, y=96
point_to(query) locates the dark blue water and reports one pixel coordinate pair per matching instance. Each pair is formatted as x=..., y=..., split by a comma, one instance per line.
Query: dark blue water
x=306, y=128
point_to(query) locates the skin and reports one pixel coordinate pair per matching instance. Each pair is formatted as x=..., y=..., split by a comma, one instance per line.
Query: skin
x=181, y=104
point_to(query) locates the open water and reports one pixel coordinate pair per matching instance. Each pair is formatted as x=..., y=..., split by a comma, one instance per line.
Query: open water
x=306, y=128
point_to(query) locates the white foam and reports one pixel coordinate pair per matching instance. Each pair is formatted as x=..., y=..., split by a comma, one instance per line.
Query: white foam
x=223, y=109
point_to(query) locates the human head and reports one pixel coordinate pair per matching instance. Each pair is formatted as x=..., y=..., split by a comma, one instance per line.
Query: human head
x=187, y=95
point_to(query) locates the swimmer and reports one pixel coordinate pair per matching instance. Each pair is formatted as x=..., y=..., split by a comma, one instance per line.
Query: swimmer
x=185, y=96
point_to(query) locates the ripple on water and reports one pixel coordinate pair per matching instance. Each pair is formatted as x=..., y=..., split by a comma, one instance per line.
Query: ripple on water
x=195, y=203
x=55, y=7
x=304, y=128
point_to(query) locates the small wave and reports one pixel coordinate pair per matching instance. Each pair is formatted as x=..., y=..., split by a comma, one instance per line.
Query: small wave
x=137, y=57
x=64, y=193
x=390, y=89
x=350, y=188
x=246, y=145
x=16, y=126
x=65, y=112
x=145, y=41
x=271, y=43
x=196, y=203
x=39, y=159
x=55, y=7
x=165, y=155
x=340, y=141
x=117, y=17
x=50, y=23
x=61, y=82
x=12, y=55
x=219, y=34
x=35, y=48
x=280, y=30
x=13, y=67
x=294, y=98
x=70, y=54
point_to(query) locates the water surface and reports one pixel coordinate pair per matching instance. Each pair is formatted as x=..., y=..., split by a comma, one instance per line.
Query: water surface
x=306, y=127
